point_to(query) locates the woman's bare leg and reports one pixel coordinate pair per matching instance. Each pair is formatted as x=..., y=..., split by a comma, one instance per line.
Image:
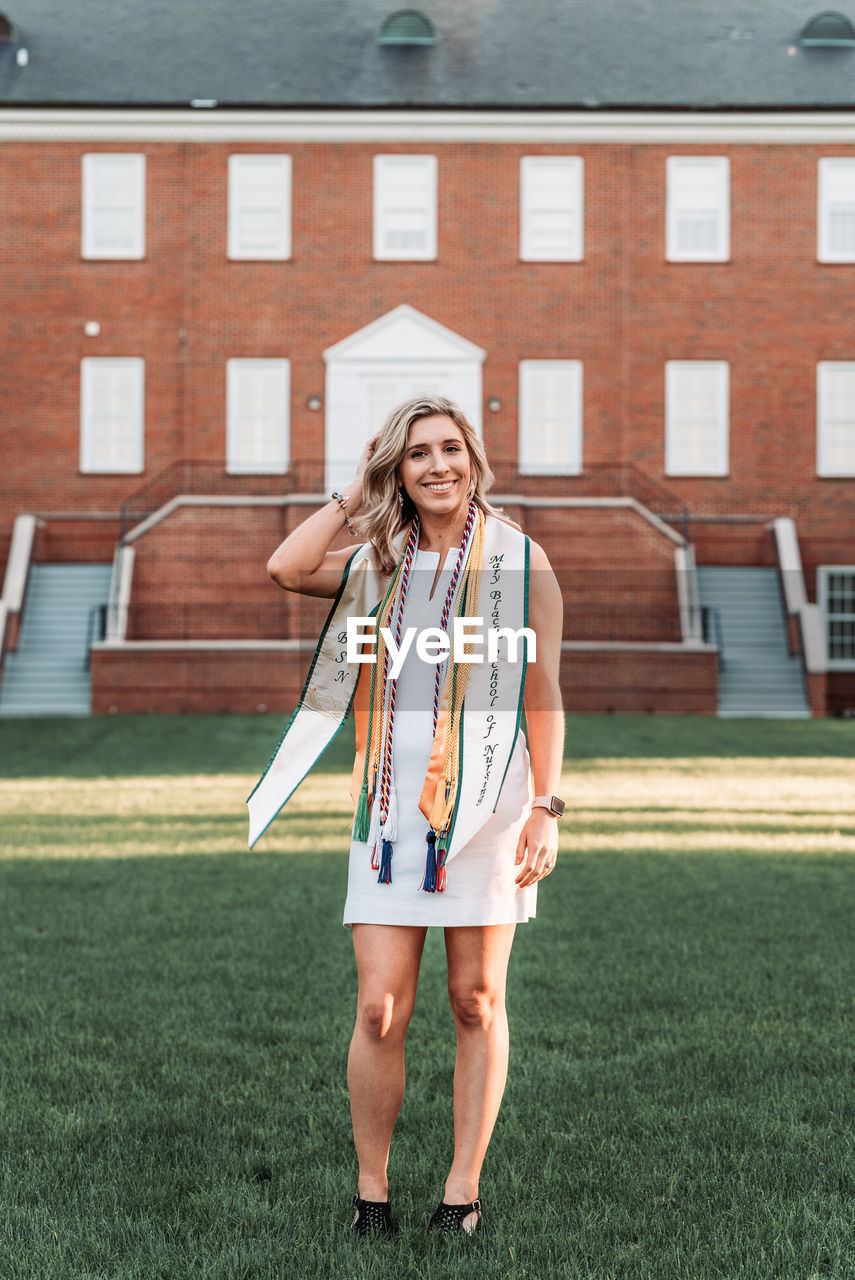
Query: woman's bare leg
x=387, y=961
x=477, y=972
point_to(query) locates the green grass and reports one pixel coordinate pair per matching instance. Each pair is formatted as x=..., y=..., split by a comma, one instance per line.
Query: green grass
x=168, y=745
x=176, y=1010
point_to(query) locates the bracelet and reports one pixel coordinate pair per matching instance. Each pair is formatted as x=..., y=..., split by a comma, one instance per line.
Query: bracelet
x=342, y=500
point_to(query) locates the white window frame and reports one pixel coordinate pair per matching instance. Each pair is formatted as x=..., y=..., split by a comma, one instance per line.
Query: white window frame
x=829, y=170
x=384, y=164
x=527, y=466
x=243, y=161
x=823, y=572
x=134, y=164
x=89, y=367
x=235, y=466
x=823, y=368
x=676, y=167
x=673, y=368
x=529, y=166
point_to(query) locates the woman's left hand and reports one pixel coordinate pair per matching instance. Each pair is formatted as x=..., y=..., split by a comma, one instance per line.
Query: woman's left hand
x=537, y=847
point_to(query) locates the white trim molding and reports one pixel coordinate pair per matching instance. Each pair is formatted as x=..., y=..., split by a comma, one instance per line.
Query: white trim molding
x=121, y=124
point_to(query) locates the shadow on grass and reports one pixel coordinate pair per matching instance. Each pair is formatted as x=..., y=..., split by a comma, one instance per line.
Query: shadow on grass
x=148, y=745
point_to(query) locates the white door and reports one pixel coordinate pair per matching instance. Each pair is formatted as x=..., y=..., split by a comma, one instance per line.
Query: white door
x=360, y=396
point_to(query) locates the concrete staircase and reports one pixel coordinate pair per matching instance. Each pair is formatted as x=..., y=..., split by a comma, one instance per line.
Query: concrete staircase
x=46, y=675
x=759, y=677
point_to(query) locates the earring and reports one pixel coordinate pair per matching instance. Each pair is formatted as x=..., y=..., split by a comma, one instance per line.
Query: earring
x=401, y=498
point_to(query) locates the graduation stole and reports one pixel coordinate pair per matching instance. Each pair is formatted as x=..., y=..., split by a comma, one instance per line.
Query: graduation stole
x=383, y=829
x=474, y=735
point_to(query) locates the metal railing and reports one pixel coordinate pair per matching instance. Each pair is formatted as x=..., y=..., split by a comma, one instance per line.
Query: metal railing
x=598, y=480
x=96, y=629
x=301, y=618
x=712, y=630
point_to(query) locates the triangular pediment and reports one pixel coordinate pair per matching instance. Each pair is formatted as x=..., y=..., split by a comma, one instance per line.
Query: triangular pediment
x=405, y=334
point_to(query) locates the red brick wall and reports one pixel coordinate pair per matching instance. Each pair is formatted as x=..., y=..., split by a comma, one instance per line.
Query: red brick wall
x=616, y=572
x=772, y=312
x=73, y=541
x=196, y=680
x=841, y=692
x=201, y=573
x=199, y=680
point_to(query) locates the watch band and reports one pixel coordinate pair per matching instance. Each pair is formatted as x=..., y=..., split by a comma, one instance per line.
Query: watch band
x=553, y=804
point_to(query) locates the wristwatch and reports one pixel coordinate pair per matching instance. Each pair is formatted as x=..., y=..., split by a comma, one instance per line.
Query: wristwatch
x=550, y=803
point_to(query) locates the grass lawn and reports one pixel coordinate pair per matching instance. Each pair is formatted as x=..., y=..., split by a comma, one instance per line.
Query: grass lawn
x=175, y=1015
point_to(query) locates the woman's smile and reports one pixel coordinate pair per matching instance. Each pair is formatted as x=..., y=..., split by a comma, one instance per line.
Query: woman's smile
x=436, y=462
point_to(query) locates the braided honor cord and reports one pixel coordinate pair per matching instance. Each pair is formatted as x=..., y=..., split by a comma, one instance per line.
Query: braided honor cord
x=390, y=688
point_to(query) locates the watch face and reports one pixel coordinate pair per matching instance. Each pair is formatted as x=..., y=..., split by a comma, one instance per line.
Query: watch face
x=557, y=805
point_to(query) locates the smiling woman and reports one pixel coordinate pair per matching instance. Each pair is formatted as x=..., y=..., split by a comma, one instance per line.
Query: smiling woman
x=428, y=849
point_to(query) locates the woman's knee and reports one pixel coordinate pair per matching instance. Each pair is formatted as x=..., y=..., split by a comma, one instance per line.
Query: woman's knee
x=475, y=1006
x=383, y=1017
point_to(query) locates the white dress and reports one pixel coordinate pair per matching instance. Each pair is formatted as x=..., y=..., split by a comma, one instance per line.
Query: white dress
x=480, y=886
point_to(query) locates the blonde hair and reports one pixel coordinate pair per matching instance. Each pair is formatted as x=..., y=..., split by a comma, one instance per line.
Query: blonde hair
x=384, y=516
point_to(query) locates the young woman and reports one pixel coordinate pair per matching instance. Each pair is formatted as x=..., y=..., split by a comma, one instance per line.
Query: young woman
x=446, y=813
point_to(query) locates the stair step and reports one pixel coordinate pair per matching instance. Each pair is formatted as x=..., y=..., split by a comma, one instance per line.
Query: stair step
x=46, y=675
x=760, y=677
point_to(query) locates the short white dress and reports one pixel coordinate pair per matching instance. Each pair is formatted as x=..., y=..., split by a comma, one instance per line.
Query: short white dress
x=480, y=884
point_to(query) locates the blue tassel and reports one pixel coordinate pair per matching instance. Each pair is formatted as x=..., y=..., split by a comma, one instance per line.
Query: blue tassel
x=385, y=876
x=429, y=883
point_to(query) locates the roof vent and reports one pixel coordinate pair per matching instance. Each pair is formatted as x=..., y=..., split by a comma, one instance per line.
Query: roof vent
x=828, y=30
x=407, y=26
x=7, y=28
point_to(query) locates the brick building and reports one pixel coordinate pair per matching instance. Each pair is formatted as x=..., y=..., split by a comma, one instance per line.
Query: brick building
x=623, y=240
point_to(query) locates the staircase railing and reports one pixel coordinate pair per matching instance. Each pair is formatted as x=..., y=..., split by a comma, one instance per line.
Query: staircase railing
x=188, y=476
x=96, y=629
x=713, y=631
x=17, y=572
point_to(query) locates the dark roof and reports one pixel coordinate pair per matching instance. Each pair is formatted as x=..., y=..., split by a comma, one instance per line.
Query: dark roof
x=488, y=54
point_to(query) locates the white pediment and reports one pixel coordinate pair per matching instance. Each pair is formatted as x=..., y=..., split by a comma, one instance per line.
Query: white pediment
x=405, y=334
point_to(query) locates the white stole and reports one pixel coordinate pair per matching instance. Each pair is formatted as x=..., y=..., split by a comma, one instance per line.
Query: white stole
x=491, y=709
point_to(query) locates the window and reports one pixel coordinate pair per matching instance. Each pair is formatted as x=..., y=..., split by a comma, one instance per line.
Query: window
x=696, y=417
x=835, y=414
x=257, y=418
x=407, y=27
x=550, y=426
x=259, y=206
x=405, y=207
x=836, y=211
x=836, y=598
x=698, y=209
x=113, y=222
x=111, y=414
x=551, y=208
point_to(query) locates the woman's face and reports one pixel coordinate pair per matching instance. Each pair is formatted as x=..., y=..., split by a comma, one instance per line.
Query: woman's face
x=435, y=469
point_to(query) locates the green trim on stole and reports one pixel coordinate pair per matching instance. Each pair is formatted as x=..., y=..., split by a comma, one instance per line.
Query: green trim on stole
x=302, y=697
x=524, y=672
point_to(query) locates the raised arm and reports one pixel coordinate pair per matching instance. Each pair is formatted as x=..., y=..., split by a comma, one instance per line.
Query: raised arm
x=303, y=562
